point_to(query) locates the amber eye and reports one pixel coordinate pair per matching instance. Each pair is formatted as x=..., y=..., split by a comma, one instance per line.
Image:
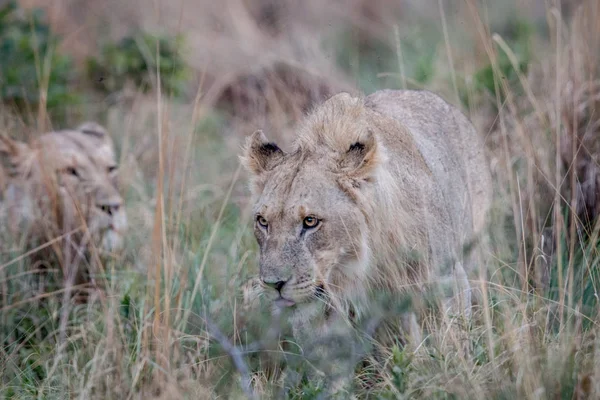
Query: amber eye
x=310, y=222
x=262, y=221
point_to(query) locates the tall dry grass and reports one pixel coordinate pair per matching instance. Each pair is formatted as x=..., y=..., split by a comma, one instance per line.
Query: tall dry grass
x=173, y=323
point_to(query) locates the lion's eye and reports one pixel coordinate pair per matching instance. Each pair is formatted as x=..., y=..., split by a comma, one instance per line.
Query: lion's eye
x=112, y=169
x=310, y=222
x=262, y=221
x=72, y=171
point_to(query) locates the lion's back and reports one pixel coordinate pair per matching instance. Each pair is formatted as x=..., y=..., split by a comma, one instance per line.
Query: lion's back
x=459, y=194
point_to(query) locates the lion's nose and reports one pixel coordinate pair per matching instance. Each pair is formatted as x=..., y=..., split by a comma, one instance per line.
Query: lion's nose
x=277, y=285
x=109, y=208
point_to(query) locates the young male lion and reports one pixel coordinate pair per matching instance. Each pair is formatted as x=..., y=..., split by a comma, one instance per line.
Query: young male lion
x=377, y=193
x=61, y=190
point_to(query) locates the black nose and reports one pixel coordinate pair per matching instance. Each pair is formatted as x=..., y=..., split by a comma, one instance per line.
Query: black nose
x=277, y=285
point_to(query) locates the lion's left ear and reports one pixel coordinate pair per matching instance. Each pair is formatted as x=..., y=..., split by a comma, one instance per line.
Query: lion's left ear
x=361, y=159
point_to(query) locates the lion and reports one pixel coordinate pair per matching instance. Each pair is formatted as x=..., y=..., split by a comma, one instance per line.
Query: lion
x=377, y=193
x=64, y=185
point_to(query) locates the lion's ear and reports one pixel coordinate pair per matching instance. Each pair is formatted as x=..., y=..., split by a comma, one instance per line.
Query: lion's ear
x=7, y=145
x=260, y=155
x=96, y=131
x=361, y=159
x=10, y=152
x=93, y=129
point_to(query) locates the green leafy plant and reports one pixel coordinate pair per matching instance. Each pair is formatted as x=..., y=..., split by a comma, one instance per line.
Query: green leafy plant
x=135, y=60
x=401, y=368
x=518, y=37
x=30, y=62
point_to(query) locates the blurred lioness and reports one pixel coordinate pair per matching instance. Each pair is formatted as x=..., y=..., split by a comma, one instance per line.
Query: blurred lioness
x=63, y=186
x=377, y=193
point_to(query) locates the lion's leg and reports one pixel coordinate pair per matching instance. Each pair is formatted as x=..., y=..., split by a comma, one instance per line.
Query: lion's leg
x=411, y=329
x=457, y=309
x=454, y=290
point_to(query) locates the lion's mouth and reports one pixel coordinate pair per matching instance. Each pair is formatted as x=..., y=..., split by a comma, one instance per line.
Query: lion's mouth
x=283, y=302
x=112, y=240
x=114, y=229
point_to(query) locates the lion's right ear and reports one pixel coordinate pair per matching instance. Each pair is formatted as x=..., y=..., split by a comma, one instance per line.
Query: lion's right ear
x=260, y=155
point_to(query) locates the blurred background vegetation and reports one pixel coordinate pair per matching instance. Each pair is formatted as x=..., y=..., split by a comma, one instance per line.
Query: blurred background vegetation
x=198, y=76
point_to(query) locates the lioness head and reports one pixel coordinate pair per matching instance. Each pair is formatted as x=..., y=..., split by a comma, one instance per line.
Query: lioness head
x=310, y=213
x=66, y=180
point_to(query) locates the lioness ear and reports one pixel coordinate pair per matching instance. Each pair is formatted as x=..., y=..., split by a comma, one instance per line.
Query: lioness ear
x=93, y=128
x=10, y=152
x=361, y=159
x=6, y=146
x=260, y=155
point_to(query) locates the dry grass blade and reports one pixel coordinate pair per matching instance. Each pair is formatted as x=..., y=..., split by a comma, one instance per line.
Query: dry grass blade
x=211, y=239
x=39, y=248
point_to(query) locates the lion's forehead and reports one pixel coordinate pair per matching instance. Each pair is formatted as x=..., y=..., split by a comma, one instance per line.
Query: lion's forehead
x=66, y=148
x=104, y=155
x=299, y=193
